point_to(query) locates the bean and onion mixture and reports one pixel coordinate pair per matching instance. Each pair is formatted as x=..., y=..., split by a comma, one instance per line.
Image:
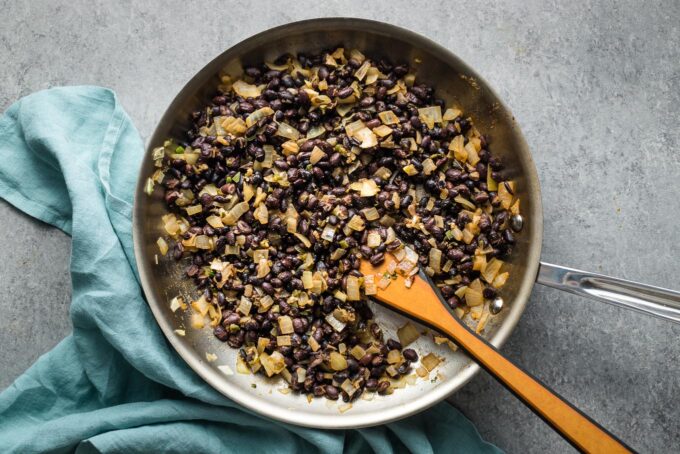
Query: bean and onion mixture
x=298, y=169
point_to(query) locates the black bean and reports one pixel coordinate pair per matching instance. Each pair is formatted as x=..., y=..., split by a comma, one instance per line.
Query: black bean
x=393, y=344
x=410, y=355
x=345, y=92
x=332, y=392
x=321, y=196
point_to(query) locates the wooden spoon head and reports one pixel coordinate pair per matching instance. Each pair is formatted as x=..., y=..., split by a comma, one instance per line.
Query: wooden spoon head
x=417, y=300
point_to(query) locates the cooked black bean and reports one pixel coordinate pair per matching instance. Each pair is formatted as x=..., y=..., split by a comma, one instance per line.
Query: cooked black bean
x=410, y=354
x=273, y=240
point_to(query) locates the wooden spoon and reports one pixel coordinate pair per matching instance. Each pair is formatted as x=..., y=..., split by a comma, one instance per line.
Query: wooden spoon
x=421, y=302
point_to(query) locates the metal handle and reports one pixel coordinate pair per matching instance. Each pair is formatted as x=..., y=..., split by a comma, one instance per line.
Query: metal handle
x=657, y=301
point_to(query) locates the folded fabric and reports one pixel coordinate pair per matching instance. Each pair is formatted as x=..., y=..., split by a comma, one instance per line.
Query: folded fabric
x=70, y=158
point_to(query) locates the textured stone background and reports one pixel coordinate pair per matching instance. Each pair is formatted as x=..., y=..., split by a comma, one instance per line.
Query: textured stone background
x=596, y=86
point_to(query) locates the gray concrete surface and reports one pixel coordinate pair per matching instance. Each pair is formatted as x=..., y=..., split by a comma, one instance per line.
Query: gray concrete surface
x=596, y=86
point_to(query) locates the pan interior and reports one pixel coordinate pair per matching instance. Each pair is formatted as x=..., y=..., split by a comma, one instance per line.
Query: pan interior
x=458, y=85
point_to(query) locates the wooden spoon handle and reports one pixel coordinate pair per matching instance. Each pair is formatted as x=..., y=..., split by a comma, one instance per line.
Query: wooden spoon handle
x=577, y=428
x=421, y=302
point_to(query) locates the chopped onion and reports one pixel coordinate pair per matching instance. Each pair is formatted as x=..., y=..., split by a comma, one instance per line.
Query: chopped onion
x=371, y=214
x=435, y=260
x=197, y=321
x=451, y=114
x=367, y=138
x=321, y=100
x=211, y=357
x=357, y=55
x=276, y=67
x=348, y=387
x=391, y=371
x=339, y=294
x=460, y=292
x=479, y=263
x=241, y=366
x=287, y=131
x=226, y=370
x=353, y=293
x=176, y=303
x=372, y=75
x=337, y=361
x=387, y=221
x=514, y=209
x=263, y=268
x=473, y=294
x=268, y=156
x=388, y=117
x=245, y=89
x=457, y=145
x=303, y=239
x=356, y=223
x=273, y=364
x=491, y=270
x=430, y=115
x=313, y=343
x=203, y=242
x=194, y=209
x=148, y=188
x=214, y=221
x=336, y=324
x=363, y=70
x=235, y=213
x=430, y=361
x=244, y=306
x=265, y=303
x=383, y=131
x=316, y=131
x=357, y=352
x=180, y=332
x=300, y=374
x=383, y=173
x=261, y=213
x=394, y=357
x=170, y=224
x=369, y=285
x=407, y=334
x=258, y=115
x=465, y=202
x=162, y=245
x=373, y=240
x=343, y=109
x=234, y=126
x=506, y=190
x=384, y=282
x=472, y=155
x=366, y=187
x=260, y=254
x=501, y=279
x=316, y=156
x=328, y=232
x=283, y=341
x=290, y=147
x=428, y=166
x=392, y=267
x=410, y=170
x=352, y=128
x=307, y=279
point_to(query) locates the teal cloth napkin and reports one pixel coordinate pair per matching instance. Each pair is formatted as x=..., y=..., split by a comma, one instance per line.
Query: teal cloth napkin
x=69, y=157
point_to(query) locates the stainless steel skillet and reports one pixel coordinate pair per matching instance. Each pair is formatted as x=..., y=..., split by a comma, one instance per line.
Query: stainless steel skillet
x=458, y=84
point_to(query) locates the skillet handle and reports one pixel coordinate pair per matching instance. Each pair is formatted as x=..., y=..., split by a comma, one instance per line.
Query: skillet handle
x=656, y=301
